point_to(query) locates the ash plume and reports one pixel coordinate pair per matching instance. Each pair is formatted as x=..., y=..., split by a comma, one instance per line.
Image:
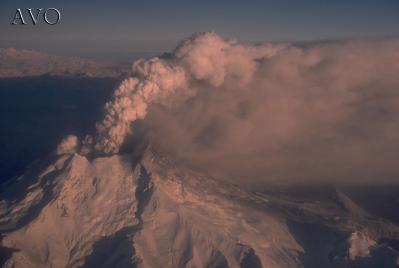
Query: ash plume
x=270, y=111
x=202, y=58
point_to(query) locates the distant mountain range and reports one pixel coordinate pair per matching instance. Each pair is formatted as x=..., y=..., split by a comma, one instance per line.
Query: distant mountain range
x=24, y=62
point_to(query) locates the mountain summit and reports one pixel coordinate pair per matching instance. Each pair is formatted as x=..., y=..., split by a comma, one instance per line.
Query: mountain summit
x=147, y=211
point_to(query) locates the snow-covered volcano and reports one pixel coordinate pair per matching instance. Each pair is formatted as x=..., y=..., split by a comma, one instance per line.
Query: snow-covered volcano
x=248, y=114
x=144, y=210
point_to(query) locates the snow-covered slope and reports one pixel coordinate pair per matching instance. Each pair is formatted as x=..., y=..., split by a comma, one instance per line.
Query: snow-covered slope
x=87, y=201
x=146, y=211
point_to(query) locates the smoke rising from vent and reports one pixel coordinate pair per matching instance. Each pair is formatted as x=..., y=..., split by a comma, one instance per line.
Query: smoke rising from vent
x=267, y=112
x=204, y=57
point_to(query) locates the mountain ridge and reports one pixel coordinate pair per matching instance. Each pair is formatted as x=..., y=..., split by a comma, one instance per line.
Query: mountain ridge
x=147, y=211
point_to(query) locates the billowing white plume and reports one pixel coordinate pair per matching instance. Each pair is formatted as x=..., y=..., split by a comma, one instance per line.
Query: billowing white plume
x=204, y=57
x=154, y=80
x=320, y=111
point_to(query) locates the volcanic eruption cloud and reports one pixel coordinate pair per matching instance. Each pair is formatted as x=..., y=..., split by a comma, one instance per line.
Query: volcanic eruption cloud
x=255, y=113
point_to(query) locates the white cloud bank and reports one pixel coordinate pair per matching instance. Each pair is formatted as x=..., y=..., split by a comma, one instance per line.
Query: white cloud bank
x=25, y=62
x=272, y=111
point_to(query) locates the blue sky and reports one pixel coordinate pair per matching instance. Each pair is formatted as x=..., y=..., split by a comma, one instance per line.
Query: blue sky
x=119, y=27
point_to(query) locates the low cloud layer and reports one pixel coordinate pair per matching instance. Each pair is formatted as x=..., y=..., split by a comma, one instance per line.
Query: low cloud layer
x=271, y=112
x=24, y=62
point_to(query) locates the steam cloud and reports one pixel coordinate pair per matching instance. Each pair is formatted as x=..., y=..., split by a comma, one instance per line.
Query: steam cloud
x=275, y=111
x=202, y=58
